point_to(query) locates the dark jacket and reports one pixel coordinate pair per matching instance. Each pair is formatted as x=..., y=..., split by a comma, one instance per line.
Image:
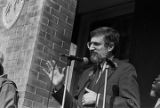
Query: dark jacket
x=8, y=93
x=122, y=88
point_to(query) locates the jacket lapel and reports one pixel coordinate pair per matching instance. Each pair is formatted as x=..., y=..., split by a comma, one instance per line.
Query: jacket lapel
x=111, y=71
x=86, y=78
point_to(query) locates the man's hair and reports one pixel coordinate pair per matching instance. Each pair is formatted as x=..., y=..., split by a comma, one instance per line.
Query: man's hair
x=111, y=37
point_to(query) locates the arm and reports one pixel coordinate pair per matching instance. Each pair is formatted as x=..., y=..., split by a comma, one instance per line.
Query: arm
x=128, y=89
x=70, y=102
x=57, y=77
x=7, y=96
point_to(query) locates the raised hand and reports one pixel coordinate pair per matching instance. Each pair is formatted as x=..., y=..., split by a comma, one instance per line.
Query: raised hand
x=54, y=73
x=89, y=98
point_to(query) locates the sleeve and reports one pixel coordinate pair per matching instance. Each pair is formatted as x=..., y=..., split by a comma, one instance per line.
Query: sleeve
x=7, y=96
x=128, y=91
x=70, y=101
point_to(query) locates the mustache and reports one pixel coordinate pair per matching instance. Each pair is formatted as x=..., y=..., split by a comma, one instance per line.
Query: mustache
x=93, y=52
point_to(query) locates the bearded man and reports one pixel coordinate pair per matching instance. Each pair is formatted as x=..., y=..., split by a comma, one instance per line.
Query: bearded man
x=122, y=89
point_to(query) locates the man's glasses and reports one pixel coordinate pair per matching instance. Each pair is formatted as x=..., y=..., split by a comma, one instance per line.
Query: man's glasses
x=93, y=43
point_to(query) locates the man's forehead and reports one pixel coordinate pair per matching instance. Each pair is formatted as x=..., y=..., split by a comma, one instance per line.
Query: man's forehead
x=99, y=38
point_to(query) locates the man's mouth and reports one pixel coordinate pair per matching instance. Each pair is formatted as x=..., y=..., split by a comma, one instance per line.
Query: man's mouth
x=93, y=52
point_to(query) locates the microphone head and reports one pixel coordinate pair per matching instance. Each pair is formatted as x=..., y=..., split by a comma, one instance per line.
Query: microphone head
x=85, y=60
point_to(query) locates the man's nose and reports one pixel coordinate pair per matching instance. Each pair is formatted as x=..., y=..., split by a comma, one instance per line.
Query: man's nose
x=91, y=47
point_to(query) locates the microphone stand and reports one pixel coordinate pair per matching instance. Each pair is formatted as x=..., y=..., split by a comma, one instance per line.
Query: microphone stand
x=66, y=81
x=105, y=85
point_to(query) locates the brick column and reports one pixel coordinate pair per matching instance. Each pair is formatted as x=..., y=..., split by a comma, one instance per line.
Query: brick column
x=42, y=32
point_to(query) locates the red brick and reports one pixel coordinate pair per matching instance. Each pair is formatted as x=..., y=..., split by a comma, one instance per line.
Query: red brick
x=47, y=15
x=70, y=21
x=68, y=34
x=51, y=51
x=38, y=105
x=43, y=55
x=56, y=26
x=39, y=46
x=33, y=74
x=43, y=27
x=28, y=103
x=54, y=104
x=42, y=92
x=29, y=95
x=63, y=3
x=60, y=35
x=61, y=23
x=60, y=49
x=30, y=88
x=53, y=4
x=42, y=33
x=51, y=31
x=35, y=67
x=36, y=60
x=53, y=57
x=58, y=14
x=54, y=39
x=33, y=97
x=44, y=21
x=44, y=78
x=47, y=8
x=45, y=42
x=37, y=83
x=72, y=7
x=67, y=12
x=66, y=45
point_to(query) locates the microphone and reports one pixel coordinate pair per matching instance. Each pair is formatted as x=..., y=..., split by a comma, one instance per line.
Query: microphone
x=72, y=57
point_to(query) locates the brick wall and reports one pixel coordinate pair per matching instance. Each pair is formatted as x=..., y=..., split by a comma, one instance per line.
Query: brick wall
x=42, y=32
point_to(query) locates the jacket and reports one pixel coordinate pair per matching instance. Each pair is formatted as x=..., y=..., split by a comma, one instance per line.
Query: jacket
x=8, y=93
x=122, y=88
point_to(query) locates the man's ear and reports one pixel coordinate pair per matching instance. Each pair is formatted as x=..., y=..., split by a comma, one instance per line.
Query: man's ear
x=110, y=47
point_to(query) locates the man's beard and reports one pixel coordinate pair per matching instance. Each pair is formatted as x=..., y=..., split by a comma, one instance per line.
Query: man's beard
x=95, y=58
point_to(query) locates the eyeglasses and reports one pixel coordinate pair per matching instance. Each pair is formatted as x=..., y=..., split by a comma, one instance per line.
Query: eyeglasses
x=93, y=43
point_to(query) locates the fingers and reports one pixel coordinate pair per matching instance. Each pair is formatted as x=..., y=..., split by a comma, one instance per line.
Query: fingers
x=45, y=71
x=50, y=68
x=53, y=69
x=63, y=69
x=49, y=65
x=88, y=90
x=83, y=101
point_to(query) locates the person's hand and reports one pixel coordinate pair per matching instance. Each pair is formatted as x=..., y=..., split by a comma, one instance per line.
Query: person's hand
x=54, y=73
x=156, y=87
x=156, y=83
x=89, y=98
